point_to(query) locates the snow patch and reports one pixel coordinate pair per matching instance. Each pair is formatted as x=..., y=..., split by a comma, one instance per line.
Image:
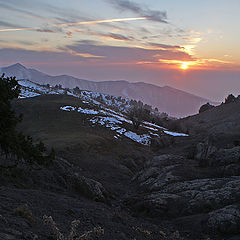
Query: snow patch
x=121, y=131
x=87, y=111
x=143, y=139
x=176, y=134
x=110, y=121
x=154, y=125
x=28, y=94
x=68, y=108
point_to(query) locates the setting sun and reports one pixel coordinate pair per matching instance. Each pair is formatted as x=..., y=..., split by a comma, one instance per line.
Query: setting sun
x=184, y=66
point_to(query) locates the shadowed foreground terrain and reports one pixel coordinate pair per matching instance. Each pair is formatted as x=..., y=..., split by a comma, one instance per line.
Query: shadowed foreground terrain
x=184, y=189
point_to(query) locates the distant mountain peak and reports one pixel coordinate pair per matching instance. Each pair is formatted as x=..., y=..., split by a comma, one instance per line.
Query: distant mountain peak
x=17, y=65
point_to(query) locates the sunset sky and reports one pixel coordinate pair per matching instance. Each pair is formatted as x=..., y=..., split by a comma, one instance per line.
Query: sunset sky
x=189, y=44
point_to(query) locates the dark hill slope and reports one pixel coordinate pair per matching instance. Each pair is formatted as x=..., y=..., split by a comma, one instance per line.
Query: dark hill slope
x=93, y=150
x=88, y=180
x=188, y=190
x=221, y=123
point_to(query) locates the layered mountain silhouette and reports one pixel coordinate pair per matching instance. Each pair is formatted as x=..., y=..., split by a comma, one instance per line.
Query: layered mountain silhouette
x=167, y=99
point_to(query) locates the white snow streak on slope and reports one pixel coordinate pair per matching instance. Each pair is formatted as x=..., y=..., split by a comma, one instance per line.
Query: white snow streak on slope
x=111, y=119
x=105, y=120
x=154, y=125
x=152, y=129
x=87, y=111
x=68, y=108
x=143, y=139
x=176, y=134
x=27, y=94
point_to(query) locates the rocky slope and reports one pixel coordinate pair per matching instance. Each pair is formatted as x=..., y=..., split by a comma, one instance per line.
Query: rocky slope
x=86, y=182
x=196, y=181
x=179, y=188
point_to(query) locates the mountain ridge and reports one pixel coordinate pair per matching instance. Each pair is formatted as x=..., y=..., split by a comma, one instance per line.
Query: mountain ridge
x=167, y=99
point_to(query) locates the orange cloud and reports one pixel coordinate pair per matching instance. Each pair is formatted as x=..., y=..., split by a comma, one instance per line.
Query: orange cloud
x=13, y=29
x=84, y=55
x=192, y=64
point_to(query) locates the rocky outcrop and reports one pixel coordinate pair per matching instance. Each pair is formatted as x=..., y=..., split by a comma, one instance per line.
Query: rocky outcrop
x=204, y=151
x=227, y=161
x=172, y=187
x=225, y=220
x=224, y=157
x=89, y=188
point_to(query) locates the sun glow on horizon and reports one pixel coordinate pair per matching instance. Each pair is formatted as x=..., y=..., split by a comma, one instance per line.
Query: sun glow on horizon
x=184, y=66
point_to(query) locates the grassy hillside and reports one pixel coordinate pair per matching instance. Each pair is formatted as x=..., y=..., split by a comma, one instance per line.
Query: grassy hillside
x=44, y=120
x=94, y=149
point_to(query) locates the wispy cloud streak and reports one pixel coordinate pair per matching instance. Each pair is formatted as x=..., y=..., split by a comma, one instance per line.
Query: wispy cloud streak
x=102, y=21
x=80, y=23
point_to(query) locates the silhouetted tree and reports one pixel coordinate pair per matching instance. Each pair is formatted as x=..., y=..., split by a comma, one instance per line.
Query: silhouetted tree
x=58, y=86
x=100, y=99
x=9, y=89
x=76, y=90
x=137, y=115
x=66, y=91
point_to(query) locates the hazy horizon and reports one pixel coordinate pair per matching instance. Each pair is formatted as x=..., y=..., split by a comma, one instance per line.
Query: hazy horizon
x=162, y=43
x=213, y=94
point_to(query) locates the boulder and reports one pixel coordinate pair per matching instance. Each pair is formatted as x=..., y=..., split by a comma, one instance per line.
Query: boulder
x=172, y=187
x=90, y=188
x=225, y=220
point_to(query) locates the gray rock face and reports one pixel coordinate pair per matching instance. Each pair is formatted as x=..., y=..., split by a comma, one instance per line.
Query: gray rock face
x=209, y=155
x=204, y=151
x=225, y=220
x=171, y=187
x=224, y=157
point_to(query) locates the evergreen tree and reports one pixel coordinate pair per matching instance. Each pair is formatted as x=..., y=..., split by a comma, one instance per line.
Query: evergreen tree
x=76, y=90
x=11, y=141
x=137, y=115
x=9, y=89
